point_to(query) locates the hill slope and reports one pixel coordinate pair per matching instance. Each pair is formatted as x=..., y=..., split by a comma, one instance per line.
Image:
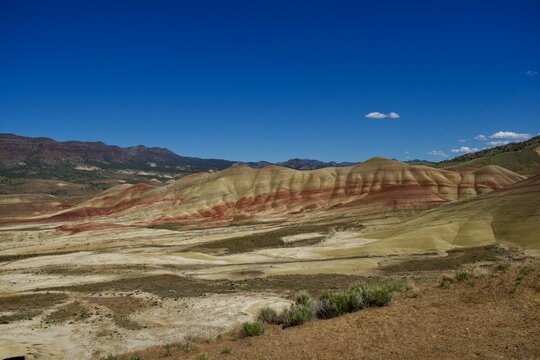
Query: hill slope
x=378, y=185
x=509, y=215
x=522, y=157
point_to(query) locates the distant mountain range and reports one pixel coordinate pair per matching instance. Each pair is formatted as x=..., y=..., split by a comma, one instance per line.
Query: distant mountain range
x=302, y=164
x=34, y=157
x=21, y=150
x=40, y=157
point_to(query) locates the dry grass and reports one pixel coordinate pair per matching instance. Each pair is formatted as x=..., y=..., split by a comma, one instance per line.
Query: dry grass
x=483, y=320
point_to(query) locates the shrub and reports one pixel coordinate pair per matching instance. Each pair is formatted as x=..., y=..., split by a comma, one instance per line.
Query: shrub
x=253, y=328
x=502, y=267
x=462, y=276
x=525, y=270
x=398, y=284
x=445, y=283
x=203, y=356
x=268, y=315
x=226, y=351
x=375, y=295
x=333, y=304
x=297, y=314
x=303, y=298
x=167, y=350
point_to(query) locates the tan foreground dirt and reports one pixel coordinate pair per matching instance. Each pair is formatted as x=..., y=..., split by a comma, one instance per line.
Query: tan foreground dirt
x=495, y=315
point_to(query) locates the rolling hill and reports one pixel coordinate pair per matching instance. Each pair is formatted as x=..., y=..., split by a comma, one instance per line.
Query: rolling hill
x=377, y=185
x=522, y=157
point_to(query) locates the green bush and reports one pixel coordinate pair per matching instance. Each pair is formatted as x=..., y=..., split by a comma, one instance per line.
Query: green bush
x=298, y=314
x=268, y=315
x=226, y=351
x=253, y=328
x=375, y=295
x=203, y=356
x=303, y=298
x=333, y=304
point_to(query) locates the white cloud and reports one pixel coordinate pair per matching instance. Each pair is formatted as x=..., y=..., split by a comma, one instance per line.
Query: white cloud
x=464, y=150
x=437, y=153
x=498, y=142
x=531, y=73
x=379, y=115
x=480, y=137
x=462, y=140
x=510, y=135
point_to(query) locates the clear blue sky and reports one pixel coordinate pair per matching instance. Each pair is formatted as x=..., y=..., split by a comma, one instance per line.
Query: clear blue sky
x=273, y=79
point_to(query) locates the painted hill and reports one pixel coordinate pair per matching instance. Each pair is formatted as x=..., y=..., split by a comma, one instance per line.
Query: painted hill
x=377, y=185
x=508, y=215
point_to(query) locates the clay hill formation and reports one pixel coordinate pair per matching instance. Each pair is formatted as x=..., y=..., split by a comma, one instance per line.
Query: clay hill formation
x=377, y=185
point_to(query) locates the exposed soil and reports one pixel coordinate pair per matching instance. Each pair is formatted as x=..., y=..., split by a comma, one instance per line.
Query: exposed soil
x=492, y=316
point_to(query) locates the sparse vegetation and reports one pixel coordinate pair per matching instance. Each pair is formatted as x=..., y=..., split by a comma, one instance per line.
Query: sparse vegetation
x=453, y=261
x=167, y=350
x=523, y=272
x=25, y=307
x=335, y=304
x=111, y=357
x=463, y=276
x=297, y=314
x=187, y=346
x=268, y=315
x=375, y=295
x=203, y=356
x=270, y=239
x=226, y=351
x=253, y=328
x=125, y=323
x=71, y=312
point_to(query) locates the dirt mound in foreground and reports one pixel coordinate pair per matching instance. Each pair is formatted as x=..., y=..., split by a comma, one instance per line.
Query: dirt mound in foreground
x=490, y=317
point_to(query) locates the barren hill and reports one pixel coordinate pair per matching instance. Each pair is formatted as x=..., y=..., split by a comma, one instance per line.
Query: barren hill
x=377, y=185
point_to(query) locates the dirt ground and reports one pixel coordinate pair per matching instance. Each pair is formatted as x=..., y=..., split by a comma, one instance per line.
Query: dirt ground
x=490, y=314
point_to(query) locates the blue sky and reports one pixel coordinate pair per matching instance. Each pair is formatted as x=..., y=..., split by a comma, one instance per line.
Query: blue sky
x=272, y=80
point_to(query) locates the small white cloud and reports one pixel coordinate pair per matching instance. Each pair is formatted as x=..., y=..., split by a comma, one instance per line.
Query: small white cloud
x=437, y=153
x=498, y=142
x=379, y=115
x=531, y=73
x=510, y=135
x=464, y=150
x=376, y=115
x=462, y=140
x=480, y=137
